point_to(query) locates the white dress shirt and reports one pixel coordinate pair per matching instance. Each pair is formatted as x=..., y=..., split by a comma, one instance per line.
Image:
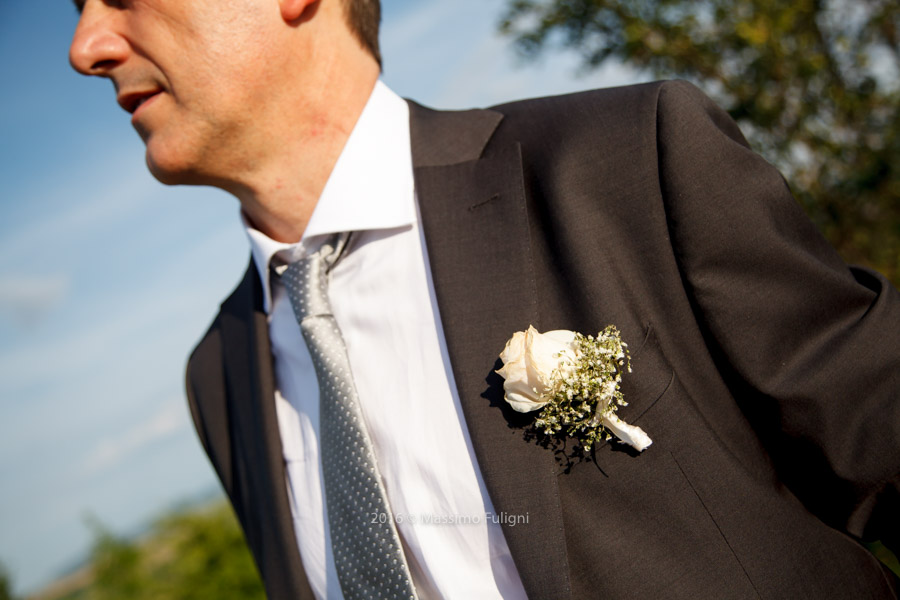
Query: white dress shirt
x=383, y=300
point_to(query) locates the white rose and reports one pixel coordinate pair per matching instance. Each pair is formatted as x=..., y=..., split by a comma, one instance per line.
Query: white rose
x=535, y=364
x=529, y=361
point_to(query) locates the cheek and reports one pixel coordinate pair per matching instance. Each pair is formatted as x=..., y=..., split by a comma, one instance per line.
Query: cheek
x=239, y=38
x=234, y=69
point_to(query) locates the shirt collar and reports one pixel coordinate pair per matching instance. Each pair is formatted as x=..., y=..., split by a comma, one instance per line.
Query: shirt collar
x=370, y=187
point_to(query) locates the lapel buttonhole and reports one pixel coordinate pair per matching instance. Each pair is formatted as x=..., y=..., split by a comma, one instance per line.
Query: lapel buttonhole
x=475, y=207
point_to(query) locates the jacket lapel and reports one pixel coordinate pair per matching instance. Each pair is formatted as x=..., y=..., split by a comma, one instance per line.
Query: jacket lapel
x=260, y=494
x=475, y=220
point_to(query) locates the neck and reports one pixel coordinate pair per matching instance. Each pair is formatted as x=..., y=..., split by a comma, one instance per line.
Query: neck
x=280, y=197
x=282, y=171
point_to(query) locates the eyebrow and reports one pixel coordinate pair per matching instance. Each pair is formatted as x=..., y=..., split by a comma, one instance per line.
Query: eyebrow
x=79, y=5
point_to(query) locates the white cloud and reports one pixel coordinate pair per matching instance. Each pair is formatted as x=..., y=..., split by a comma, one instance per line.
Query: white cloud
x=93, y=206
x=116, y=449
x=25, y=299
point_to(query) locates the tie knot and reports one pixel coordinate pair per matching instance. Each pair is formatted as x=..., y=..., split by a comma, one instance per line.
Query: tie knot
x=306, y=280
x=330, y=252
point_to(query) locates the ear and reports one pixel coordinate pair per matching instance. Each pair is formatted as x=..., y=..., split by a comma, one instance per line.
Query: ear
x=292, y=9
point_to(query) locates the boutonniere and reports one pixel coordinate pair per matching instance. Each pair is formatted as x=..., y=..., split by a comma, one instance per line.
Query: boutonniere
x=573, y=380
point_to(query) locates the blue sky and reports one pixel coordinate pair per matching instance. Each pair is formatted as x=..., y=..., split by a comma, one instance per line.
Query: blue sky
x=108, y=278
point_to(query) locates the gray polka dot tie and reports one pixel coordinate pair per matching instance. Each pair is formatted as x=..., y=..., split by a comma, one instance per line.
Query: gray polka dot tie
x=367, y=552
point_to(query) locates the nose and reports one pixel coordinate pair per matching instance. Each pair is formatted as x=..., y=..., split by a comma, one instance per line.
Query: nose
x=97, y=46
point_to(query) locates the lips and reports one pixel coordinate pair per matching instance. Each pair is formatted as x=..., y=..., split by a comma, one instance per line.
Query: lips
x=131, y=101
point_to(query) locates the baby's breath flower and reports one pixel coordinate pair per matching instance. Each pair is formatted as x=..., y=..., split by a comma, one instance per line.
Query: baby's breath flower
x=573, y=380
x=587, y=390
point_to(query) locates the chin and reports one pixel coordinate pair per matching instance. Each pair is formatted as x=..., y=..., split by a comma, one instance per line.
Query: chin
x=169, y=170
x=175, y=162
x=163, y=176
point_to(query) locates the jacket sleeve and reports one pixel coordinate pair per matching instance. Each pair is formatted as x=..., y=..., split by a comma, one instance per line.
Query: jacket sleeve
x=814, y=345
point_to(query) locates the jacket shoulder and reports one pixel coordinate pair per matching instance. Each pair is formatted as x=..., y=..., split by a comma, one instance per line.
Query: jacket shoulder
x=672, y=94
x=206, y=384
x=620, y=116
x=206, y=395
x=613, y=98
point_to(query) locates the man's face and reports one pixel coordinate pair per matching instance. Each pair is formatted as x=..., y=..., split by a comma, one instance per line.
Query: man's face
x=193, y=74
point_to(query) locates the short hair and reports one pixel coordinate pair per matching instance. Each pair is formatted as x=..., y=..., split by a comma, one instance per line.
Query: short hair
x=363, y=18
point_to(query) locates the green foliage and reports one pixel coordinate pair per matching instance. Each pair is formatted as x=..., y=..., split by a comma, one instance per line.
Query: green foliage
x=208, y=558
x=117, y=567
x=194, y=555
x=884, y=554
x=5, y=584
x=815, y=85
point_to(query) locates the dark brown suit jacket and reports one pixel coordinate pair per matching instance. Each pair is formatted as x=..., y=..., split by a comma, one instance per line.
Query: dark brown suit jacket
x=766, y=371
